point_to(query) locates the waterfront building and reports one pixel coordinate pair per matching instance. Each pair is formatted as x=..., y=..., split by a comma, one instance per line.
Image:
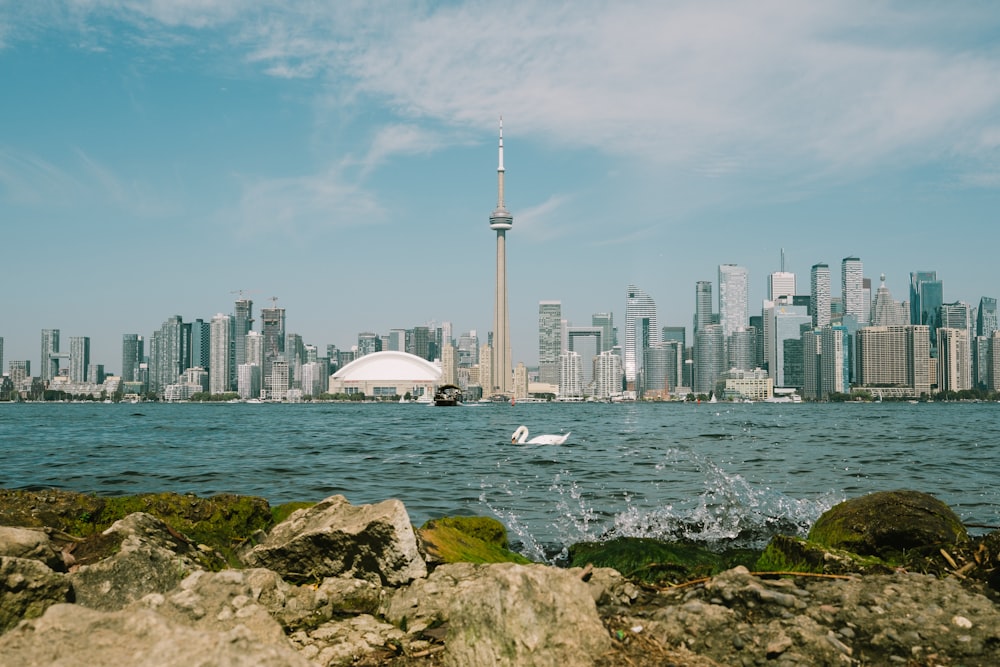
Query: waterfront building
x=757, y=324
x=50, y=354
x=272, y=321
x=752, y=385
x=641, y=331
x=501, y=221
x=953, y=362
x=169, y=353
x=195, y=376
x=201, y=344
x=585, y=341
x=980, y=361
x=449, y=364
x=570, y=375
x=386, y=374
x=852, y=289
x=659, y=370
x=248, y=382
x=819, y=294
x=607, y=323
x=132, y=355
x=255, y=349
x=1, y=353
x=486, y=366
x=279, y=381
x=709, y=357
x=242, y=325
x=520, y=381
x=79, y=358
x=313, y=381
x=733, y=299
x=741, y=349
x=468, y=349
x=549, y=341
x=812, y=374
x=834, y=362
x=703, y=315
x=220, y=354
x=929, y=297
x=783, y=322
x=295, y=355
x=608, y=375
x=993, y=375
x=19, y=371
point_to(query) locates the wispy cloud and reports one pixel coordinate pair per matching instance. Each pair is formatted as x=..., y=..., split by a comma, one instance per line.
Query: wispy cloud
x=541, y=222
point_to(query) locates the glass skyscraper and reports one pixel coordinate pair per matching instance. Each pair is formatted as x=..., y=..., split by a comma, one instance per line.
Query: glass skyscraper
x=852, y=289
x=819, y=295
x=549, y=340
x=733, y=298
x=641, y=330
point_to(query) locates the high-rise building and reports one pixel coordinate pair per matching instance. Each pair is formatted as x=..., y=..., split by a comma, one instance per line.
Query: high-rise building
x=702, y=304
x=587, y=342
x=278, y=382
x=468, y=349
x=242, y=325
x=19, y=371
x=834, y=364
x=741, y=349
x=779, y=284
x=132, y=356
x=570, y=375
x=986, y=317
x=957, y=315
x=170, y=352
x=953, y=362
x=248, y=381
x=733, y=298
x=500, y=221
x=201, y=344
x=885, y=311
x=79, y=358
x=709, y=357
x=449, y=364
x=50, y=354
x=852, y=285
x=1, y=354
x=272, y=321
x=368, y=343
x=607, y=323
x=549, y=340
x=993, y=375
x=608, y=374
x=784, y=336
x=255, y=348
x=819, y=294
x=917, y=277
x=641, y=330
x=926, y=298
x=219, y=358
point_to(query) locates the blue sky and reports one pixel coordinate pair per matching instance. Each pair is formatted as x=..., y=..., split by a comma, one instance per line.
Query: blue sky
x=158, y=156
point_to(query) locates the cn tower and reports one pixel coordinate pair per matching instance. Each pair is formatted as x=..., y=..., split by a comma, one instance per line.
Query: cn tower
x=501, y=220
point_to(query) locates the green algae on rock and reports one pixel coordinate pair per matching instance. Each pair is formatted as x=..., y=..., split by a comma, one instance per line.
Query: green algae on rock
x=468, y=539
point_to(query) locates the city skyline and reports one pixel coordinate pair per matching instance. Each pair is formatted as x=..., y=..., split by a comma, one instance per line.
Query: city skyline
x=165, y=159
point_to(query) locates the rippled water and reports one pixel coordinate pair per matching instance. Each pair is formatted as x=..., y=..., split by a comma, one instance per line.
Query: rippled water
x=710, y=472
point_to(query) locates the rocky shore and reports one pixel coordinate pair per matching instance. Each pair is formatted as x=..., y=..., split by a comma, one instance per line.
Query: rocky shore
x=887, y=579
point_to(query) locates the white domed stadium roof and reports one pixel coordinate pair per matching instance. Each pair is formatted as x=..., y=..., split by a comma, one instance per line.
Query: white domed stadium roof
x=389, y=366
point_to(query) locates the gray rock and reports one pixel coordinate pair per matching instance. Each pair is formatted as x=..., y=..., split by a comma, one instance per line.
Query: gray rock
x=27, y=588
x=150, y=560
x=29, y=543
x=505, y=614
x=74, y=636
x=335, y=538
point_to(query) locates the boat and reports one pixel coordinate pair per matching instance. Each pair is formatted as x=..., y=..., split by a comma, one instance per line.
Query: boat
x=448, y=394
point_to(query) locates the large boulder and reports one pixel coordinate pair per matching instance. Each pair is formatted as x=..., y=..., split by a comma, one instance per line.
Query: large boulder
x=334, y=538
x=473, y=539
x=504, y=614
x=887, y=524
x=151, y=558
x=73, y=636
x=27, y=588
x=30, y=543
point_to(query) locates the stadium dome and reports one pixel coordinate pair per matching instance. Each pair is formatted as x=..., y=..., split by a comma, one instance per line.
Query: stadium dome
x=386, y=374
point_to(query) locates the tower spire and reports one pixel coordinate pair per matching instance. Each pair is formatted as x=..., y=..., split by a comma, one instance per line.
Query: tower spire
x=500, y=170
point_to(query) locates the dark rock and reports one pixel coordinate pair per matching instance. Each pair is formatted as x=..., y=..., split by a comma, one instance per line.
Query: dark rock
x=27, y=589
x=887, y=524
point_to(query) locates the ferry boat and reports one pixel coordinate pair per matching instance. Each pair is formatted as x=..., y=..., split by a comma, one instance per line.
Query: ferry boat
x=447, y=395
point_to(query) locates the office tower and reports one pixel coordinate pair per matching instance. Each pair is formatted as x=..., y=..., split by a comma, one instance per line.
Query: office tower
x=607, y=323
x=980, y=351
x=819, y=294
x=986, y=317
x=885, y=311
x=608, y=375
x=220, y=359
x=757, y=324
x=916, y=278
x=520, y=381
x=930, y=297
x=741, y=349
x=132, y=355
x=834, y=364
x=812, y=350
x=397, y=340
x=659, y=370
x=248, y=381
x=852, y=285
x=587, y=342
x=866, y=298
x=501, y=220
x=678, y=334
x=449, y=364
x=419, y=342
x=953, y=367
x=255, y=349
x=368, y=343
x=957, y=315
x=779, y=284
x=96, y=374
x=702, y=304
x=784, y=337
x=549, y=340
x=486, y=368
x=201, y=344
x=19, y=371
x=313, y=382
x=733, y=298
x=295, y=355
x=278, y=381
x=272, y=329
x=709, y=357
x=640, y=329
x=79, y=358
x=468, y=349
x=570, y=375
x=242, y=324
x=50, y=354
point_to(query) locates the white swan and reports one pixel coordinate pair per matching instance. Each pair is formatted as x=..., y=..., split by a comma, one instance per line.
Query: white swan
x=520, y=437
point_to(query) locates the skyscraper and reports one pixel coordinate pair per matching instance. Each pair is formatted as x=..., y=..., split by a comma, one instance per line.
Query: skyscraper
x=917, y=277
x=607, y=322
x=702, y=304
x=501, y=220
x=132, y=354
x=641, y=330
x=220, y=361
x=780, y=283
x=820, y=295
x=549, y=341
x=242, y=324
x=986, y=317
x=272, y=322
x=885, y=311
x=709, y=357
x=50, y=352
x=852, y=288
x=953, y=363
x=733, y=298
x=79, y=358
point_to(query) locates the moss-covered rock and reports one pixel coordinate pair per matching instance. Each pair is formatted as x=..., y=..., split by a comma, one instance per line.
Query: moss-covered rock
x=793, y=554
x=890, y=525
x=655, y=561
x=467, y=539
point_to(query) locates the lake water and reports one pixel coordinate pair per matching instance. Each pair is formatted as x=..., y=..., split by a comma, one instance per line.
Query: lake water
x=715, y=473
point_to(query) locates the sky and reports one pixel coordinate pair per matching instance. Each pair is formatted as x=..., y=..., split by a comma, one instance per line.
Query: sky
x=339, y=159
